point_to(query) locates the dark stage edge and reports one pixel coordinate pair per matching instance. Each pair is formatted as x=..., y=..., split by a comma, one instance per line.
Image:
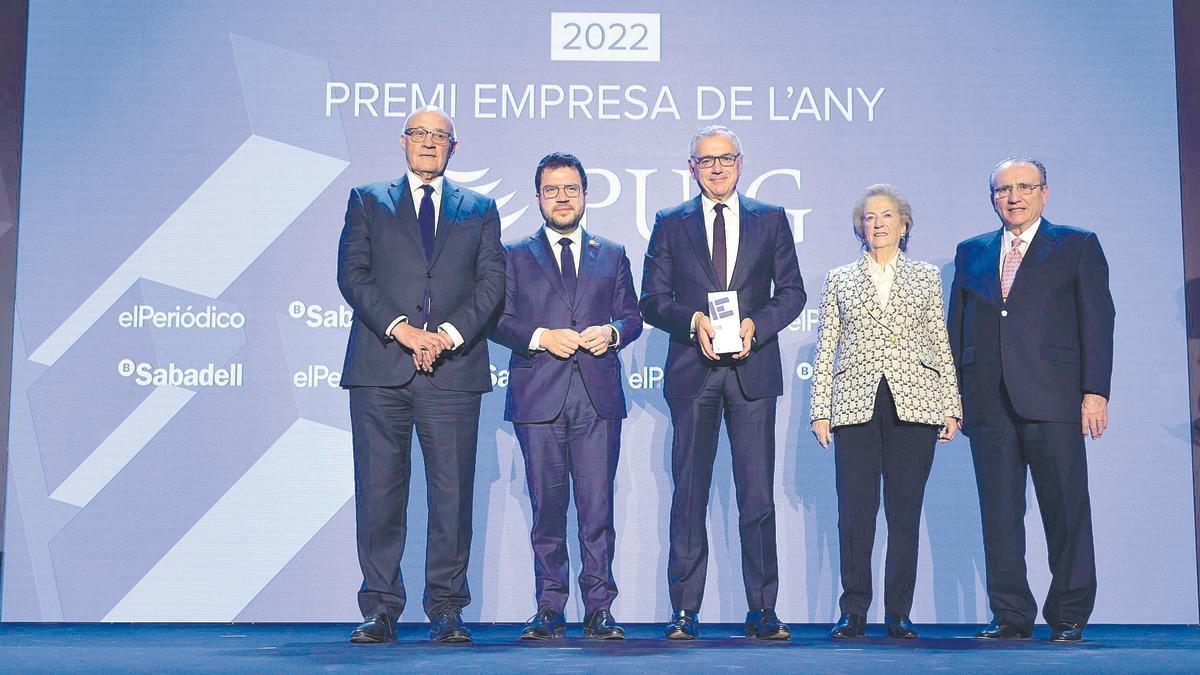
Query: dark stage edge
x=279, y=648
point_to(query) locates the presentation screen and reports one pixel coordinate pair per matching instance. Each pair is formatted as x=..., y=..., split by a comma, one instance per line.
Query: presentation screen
x=181, y=447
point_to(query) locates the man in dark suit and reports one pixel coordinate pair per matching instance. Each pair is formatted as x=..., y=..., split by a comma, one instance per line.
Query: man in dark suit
x=569, y=306
x=716, y=242
x=421, y=264
x=1031, y=329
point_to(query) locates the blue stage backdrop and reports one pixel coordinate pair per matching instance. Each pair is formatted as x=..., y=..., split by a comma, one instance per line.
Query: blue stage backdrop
x=180, y=450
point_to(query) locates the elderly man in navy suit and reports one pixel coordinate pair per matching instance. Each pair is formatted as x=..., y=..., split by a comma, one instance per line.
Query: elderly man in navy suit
x=722, y=241
x=421, y=263
x=1031, y=330
x=569, y=307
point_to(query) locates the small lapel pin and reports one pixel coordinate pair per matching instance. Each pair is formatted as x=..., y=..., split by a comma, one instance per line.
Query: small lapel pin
x=592, y=242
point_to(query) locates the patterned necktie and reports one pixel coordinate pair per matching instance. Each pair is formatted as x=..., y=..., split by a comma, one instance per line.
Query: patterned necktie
x=718, y=247
x=425, y=221
x=1011, y=262
x=566, y=263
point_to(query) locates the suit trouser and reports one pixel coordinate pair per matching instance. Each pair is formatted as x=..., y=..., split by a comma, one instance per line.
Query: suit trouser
x=751, y=425
x=447, y=424
x=902, y=454
x=581, y=448
x=1002, y=445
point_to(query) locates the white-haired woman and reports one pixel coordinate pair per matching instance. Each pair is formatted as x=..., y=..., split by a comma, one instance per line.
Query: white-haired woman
x=884, y=390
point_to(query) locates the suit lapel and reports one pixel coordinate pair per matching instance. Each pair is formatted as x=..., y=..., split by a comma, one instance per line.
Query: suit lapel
x=587, y=266
x=901, y=284
x=991, y=272
x=1043, y=244
x=540, y=247
x=865, y=290
x=746, y=241
x=693, y=222
x=406, y=213
x=447, y=217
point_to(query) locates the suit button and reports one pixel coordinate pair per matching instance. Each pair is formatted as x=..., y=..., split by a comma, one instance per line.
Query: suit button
x=429, y=275
x=1004, y=312
x=574, y=322
x=419, y=308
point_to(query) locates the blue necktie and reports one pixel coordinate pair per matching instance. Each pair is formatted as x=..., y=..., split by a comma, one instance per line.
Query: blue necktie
x=425, y=221
x=567, y=264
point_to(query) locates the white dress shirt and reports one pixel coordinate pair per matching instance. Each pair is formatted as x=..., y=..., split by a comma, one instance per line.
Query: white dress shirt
x=733, y=236
x=882, y=276
x=732, y=230
x=576, y=237
x=1026, y=237
x=414, y=186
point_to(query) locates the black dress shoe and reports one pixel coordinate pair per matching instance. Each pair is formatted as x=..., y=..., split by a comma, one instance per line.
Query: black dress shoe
x=600, y=625
x=378, y=627
x=849, y=626
x=547, y=624
x=685, y=625
x=448, y=626
x=1066, y=632
x=764, y=625
x=997, y=630
x=898, y=626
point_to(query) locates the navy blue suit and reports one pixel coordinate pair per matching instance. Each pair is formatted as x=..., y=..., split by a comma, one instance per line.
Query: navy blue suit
x=567, y=412
x=1024, y=365
x=383, y=273
x=677, y=278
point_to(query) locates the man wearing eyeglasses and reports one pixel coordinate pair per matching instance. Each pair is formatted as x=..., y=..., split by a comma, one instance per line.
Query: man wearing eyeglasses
x=722, y=241
x=421, y=264
x=1031, y=329
x=569, y=307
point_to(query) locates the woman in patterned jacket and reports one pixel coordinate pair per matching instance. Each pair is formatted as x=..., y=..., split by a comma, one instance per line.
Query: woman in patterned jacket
x=884, y=388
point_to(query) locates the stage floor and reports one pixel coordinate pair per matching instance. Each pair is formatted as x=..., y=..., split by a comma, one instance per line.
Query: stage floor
x=323, y=647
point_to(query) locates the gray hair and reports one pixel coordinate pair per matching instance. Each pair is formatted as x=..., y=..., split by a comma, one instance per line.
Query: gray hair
x=902, y=205
x=714, y=130
x=1017, y=159
x=432, y=109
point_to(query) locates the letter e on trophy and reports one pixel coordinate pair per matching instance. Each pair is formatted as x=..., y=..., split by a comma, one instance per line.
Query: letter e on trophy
x=726, y=322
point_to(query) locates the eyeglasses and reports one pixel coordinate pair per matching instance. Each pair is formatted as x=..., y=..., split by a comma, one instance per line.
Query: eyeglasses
x=551, y=191
x=418, y=134
x=1023, y=189
x=707, y=161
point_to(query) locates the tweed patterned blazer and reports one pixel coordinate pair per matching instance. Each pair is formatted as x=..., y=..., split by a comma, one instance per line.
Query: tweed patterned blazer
x=859, y=343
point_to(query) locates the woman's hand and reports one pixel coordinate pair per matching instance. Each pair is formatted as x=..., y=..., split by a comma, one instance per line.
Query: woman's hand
x=820, y=429
x=948, y=429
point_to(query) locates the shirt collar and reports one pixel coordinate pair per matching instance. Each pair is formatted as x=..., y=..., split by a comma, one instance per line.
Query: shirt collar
x=553, y=237
x=876, y=267
x=1026, y=236
x=415, y=183
x=733, y=203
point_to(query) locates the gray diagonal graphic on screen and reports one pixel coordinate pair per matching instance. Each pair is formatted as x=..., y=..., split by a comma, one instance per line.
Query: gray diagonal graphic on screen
x=122, y=445
x=256, y=527
x=215, y=234
x=277, y=84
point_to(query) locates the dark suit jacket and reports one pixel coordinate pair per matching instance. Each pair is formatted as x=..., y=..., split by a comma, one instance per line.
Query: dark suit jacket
x=678, y=276
x=382, y=273
x=535, y=297
x=1052, y=341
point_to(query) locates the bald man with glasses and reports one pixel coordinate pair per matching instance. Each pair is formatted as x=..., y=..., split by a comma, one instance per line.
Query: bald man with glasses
x=421, y=263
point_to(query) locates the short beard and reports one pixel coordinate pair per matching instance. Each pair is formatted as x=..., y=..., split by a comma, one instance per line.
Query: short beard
x=565, y=228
